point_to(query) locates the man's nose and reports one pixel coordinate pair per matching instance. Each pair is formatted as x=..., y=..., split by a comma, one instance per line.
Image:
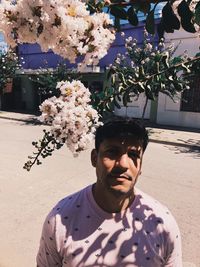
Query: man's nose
x=123, y=161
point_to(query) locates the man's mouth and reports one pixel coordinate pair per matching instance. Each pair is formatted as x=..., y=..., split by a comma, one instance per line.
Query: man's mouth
x=120, y=177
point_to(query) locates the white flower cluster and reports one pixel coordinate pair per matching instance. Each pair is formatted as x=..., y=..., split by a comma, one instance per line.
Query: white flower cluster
x=65, y=26
x=138, y=55
x=73, y=120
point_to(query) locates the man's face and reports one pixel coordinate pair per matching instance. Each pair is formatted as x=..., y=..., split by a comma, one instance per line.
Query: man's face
x=118, y=164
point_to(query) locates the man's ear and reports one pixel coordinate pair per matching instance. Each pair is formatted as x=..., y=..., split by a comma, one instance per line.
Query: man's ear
x=94, y=157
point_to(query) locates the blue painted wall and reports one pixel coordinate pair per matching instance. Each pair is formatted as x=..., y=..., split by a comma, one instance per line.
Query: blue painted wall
x=34, y=58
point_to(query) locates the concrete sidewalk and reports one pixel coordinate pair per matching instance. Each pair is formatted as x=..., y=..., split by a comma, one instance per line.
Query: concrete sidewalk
x=170, y=135
x=170, y=174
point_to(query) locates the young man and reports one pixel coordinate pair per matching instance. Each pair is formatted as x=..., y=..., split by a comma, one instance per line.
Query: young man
x=111, y=223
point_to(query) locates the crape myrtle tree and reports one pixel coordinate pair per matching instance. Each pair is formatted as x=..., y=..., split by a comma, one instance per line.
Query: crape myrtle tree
x=175, y=13
x=74, y=29
x=148, y=69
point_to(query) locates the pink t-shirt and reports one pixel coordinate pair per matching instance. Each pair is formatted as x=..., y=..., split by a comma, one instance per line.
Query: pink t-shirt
x=78, y=233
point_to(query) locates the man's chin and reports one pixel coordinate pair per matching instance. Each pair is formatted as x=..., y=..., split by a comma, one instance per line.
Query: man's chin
x=120, y=190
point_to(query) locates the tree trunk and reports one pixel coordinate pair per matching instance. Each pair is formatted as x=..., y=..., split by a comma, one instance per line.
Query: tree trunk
x=144, y=109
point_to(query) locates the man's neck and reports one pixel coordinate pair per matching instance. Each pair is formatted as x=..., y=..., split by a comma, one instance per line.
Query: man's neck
x=112, y=202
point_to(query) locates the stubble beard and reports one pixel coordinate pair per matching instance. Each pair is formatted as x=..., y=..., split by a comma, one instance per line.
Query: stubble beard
x=120, y=192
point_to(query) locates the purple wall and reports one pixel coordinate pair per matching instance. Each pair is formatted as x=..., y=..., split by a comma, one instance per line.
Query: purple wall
x=34, y=58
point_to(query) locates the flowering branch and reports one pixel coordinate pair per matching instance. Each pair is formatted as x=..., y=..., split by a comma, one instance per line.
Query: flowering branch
x=72, y=121
x=67, y=28
x=45, y=148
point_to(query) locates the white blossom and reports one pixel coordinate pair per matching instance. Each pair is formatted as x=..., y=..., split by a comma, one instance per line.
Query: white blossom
x=71, y=116
x=64, y=26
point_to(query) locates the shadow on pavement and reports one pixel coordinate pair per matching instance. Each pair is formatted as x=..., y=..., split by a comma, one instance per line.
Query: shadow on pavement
x=191, y=150
x=33, y=121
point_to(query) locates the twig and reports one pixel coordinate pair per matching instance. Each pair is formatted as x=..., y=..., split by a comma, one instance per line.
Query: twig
x=170, y=68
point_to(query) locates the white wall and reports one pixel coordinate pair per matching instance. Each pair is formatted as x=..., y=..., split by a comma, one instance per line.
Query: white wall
x=134, y=109
x=168, y=112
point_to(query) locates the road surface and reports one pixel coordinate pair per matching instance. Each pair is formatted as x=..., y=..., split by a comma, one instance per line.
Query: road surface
x=170, y=174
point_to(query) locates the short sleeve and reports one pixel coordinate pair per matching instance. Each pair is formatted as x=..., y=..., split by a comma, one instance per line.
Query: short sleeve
x=48, y=255
x=174, y=258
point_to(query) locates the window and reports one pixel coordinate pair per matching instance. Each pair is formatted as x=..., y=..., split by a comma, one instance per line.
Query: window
x=96, y=86
x=191, y=98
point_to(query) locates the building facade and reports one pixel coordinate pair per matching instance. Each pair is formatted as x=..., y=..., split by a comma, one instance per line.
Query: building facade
x=184, y=112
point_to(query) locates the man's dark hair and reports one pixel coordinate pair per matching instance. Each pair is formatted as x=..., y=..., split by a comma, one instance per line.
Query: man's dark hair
x=120, y=128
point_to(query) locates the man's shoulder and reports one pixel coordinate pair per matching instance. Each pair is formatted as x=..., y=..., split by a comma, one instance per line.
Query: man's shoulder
x=152, y=208
x=148, y=200
x=70, y=202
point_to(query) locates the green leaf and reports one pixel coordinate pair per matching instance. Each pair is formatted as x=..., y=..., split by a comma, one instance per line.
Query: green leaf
x=188, y=26
x=157, y=66
x=122, y=78
x=158, y=57
x=183, y=9
x=150, y=25
x=126, y=98
x=162, y=86
x=118, y=98
x=185, y=68
x=178, y=87
x=108, y=107
x=141, y=72
x=186, y=16
x=100, y=6
x=165, y=59
x=169, y=19
x=197, y=14
x=197, y=54
x=113, y=79
x=144, y=6
x=120, y=89
x=141, y=86
x=115, y=102
x=117, y=24
x=118, y=12
x=132, y=16
x=110, y=72
x=149, y=93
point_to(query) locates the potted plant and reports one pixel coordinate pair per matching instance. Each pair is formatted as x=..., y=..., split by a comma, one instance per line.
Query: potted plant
x=8, y=66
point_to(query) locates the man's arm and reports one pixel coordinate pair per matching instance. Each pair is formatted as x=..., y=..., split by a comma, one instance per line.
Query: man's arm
x=48, y=255
x=174, y=258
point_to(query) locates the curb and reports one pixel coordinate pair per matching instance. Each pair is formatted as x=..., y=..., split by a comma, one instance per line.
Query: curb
x=35, y=121
x=31, y=120
x=171, y=143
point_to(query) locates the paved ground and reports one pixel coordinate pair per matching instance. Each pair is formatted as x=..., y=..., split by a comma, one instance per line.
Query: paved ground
x=170, y=173
x=177, y=136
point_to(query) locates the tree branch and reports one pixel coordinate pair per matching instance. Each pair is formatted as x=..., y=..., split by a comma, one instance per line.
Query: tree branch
x=133, y=2
x=171, y=68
